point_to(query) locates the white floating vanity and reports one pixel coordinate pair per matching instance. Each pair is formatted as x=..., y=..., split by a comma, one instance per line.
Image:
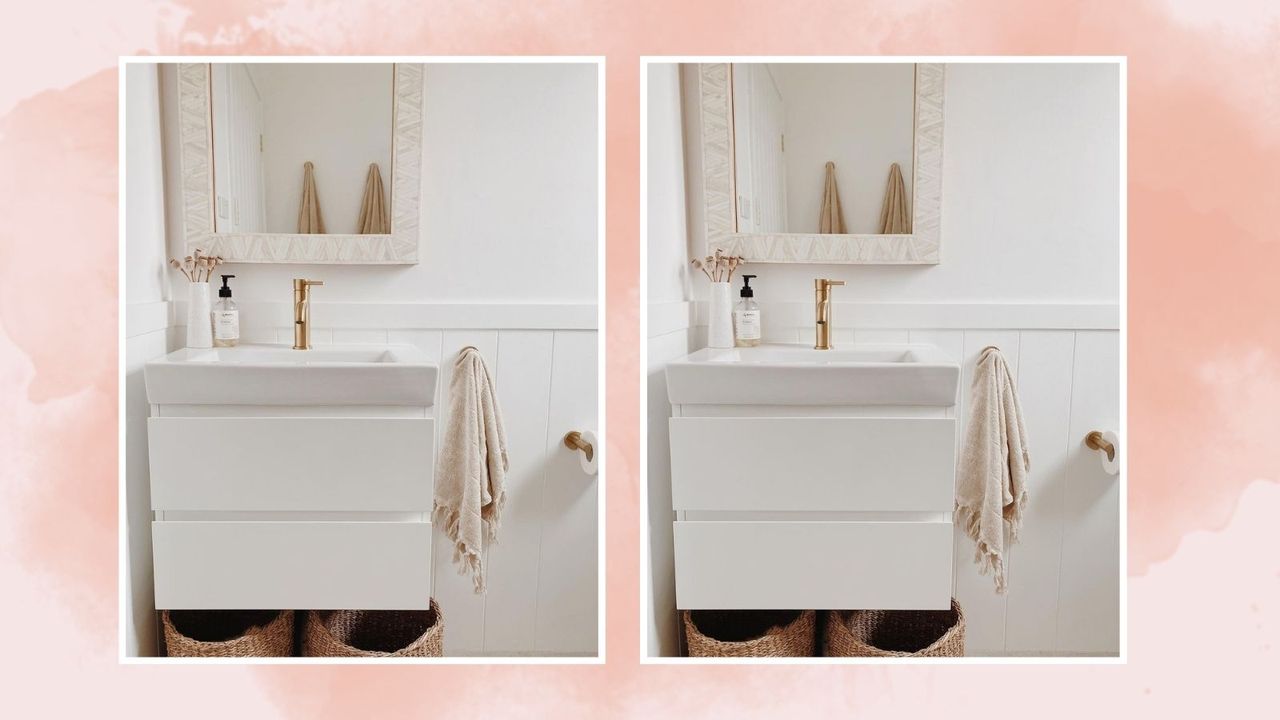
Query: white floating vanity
x=813, y=479
x=292, y=479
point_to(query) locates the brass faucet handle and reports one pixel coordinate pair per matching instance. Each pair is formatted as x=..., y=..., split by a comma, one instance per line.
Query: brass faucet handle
x=833, y=283
x=303, y=283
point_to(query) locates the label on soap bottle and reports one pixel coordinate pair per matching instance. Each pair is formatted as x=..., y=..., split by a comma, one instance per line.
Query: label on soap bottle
x=226, y=324
x=746, y=324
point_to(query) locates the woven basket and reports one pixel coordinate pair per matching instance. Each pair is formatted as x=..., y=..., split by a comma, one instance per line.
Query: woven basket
x=750, y=633
x=228, y=633
x=895, y=633
x=374, y=633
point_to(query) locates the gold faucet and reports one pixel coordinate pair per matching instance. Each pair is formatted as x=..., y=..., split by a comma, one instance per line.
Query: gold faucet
x=302, y=312
x=822, y=311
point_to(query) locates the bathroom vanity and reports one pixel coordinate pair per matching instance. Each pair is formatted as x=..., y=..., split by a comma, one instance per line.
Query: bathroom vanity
x=289, y=479
x=813, y=479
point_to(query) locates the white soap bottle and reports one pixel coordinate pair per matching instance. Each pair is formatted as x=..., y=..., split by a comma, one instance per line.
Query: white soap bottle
x=746, y=317
x=226, y=317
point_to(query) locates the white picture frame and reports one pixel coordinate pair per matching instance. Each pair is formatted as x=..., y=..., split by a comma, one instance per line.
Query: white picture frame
x=921, y=247
x=399, y=247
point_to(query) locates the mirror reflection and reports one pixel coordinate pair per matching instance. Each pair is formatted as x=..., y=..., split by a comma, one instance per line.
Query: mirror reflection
x=823, y=147
x=302, y=147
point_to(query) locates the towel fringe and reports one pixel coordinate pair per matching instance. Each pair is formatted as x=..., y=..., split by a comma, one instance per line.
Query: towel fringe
x=468, y=560
x=989, y=561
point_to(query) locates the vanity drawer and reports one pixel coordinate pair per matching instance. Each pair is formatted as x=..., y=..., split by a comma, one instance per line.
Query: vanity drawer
x=799, y=464
x=293, y=464
x=813, y=565
x=292, y=565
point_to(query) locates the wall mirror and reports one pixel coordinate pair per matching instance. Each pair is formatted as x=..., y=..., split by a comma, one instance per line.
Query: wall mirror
x=302, y=162
x=823, y=162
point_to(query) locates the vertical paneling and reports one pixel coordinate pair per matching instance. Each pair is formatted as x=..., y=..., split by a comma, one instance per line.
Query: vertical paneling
x=950, y=342
x=1044, y=388
x=1089, y=593
x=984, y=609
x=567, y=589
x=524, y=393
x=463, y=608
x=368, y=336
x=428, y=341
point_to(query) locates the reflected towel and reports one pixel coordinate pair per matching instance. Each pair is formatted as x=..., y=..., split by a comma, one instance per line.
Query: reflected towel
x=895, y=218
x=991, y=479
x=373, y=208
x=310, y=221
x=832, y=219
x=472, y=466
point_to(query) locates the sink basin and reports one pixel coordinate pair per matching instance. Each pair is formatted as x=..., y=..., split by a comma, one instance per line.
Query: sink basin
x=280, y=375
x=881, y=374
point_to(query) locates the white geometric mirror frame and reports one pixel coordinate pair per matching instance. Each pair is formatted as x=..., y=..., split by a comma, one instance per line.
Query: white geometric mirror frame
x=921, y=247
x=400, y=247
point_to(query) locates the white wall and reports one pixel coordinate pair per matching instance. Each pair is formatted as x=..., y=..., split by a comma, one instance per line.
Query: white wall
x=145, y=320
x=670, y=336
x=509, y=196
x=1030, y=197
x=338, y=116
x=858, y=116
x=1030, y=233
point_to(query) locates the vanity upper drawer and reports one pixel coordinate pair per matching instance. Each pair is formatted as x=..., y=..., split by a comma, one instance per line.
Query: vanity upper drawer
x=804, y=565
x=292, y=565
x=299, y=464
x=833, y=463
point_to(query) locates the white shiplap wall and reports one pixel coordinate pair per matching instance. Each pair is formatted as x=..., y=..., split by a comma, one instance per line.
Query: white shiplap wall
x=542, y=574
x=1064, y=575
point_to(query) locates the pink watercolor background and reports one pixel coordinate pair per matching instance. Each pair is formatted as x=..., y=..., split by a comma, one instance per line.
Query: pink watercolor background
x=1204, y=385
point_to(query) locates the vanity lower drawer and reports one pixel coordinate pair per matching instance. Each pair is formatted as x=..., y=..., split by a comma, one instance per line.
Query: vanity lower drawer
x=293, y=464
x=810, y=464
x=770, y=565
x=292, y=565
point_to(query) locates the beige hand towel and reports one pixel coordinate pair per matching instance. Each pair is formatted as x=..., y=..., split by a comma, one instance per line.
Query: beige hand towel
x=895, y=219
x=373, y=208
x=831, y=221
x=310, y=221
x=991, y=482
x=472, y=466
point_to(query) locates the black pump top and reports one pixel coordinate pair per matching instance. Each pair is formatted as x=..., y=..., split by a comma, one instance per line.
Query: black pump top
x=225, y=290
x=746, y=287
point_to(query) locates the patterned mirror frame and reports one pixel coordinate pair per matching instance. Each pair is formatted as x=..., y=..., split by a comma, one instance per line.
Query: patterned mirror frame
x=400, y=247
x=921, y=247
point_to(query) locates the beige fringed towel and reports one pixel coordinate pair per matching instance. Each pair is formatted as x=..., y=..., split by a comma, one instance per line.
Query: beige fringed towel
x=991, y=482
x=895, y=218
x=472, y=466
x=373, y=207
x=832, y=219
x=310, y=221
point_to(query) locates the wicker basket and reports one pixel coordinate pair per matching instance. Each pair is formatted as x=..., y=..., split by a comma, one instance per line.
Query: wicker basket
x=228, y=633
x=895, y=633
x=374, y=633
x=750, y=633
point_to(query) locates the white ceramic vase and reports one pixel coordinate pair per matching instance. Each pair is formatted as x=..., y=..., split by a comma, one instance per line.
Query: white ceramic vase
x=720, y=322
x=199, y=316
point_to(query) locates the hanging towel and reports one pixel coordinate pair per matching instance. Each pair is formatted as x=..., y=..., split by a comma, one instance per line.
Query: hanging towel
x=991, y=482
x=310, y=222
x=472, y=466
x=373, y=208
x=895, y=218
x=832, y=219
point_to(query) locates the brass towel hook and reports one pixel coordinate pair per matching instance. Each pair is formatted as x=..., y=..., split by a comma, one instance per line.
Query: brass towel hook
x=1095, y=441
x=573, y=440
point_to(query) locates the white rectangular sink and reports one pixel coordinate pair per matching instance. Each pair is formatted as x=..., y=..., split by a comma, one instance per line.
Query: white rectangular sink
x=280, y=375
x=880, y=374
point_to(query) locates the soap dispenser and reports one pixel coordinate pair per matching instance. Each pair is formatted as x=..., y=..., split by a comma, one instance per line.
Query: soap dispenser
x=226, y=317
x=746, y=317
